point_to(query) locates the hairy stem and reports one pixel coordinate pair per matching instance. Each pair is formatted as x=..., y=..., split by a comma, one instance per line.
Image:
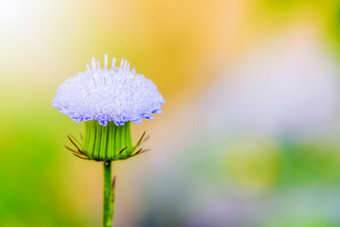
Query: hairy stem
x=108, y=203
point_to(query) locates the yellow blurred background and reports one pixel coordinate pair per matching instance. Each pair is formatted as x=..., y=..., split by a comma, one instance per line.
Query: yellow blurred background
x=249, y=131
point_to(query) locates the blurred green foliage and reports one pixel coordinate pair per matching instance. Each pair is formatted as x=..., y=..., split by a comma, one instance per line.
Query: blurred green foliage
x=35, y=172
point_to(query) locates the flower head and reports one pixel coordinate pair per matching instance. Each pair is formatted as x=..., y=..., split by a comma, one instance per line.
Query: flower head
x=115, y=94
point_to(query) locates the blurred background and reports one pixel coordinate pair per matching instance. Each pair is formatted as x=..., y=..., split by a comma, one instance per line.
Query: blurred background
x=250, y=131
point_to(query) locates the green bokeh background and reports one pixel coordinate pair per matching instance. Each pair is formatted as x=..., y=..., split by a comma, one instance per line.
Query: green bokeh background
x=182, y=47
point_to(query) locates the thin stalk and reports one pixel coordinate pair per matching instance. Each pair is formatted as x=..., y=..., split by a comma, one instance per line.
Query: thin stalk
x=108, y=203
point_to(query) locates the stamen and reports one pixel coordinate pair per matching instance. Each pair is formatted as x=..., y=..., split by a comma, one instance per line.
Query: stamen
x=113, y=62
x=121, y=63
x=105, y=61
x=93, y=63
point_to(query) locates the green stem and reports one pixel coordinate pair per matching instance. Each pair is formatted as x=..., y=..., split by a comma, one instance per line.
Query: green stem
x=108, y=203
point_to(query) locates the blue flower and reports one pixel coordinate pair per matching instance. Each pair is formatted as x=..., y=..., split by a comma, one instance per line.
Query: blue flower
x=116, y=94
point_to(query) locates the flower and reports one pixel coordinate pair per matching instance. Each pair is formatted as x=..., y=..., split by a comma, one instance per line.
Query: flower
x=116, y=94
x=107, y=100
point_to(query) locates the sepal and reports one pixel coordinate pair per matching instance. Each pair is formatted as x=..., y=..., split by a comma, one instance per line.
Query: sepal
x=106, y=143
